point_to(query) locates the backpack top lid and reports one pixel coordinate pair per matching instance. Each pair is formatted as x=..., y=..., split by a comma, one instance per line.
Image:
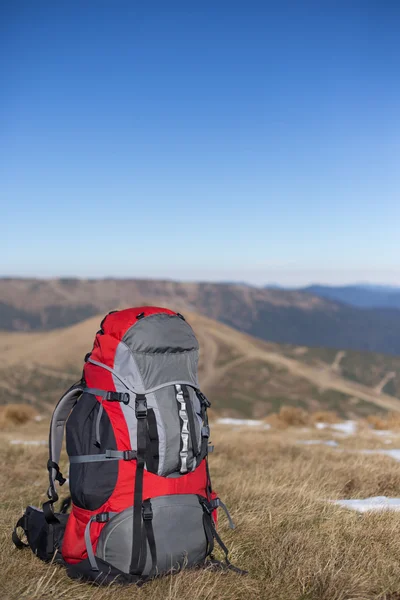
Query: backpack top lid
x=145, y=347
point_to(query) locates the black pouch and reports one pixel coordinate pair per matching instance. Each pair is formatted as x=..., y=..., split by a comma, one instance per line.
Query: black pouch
x=44, y=539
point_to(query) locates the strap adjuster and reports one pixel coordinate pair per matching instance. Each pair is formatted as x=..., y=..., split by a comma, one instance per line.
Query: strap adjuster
x=205, y=432
x=117, y=397
x=215, y=503
x=102, y=517
x=129, y=454
x=147, y=512
x=140, y=406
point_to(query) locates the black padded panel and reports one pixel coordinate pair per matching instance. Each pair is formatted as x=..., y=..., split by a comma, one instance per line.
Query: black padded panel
x=91, y=484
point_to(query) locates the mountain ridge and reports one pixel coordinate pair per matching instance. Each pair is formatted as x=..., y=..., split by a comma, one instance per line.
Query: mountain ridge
x=281, y=316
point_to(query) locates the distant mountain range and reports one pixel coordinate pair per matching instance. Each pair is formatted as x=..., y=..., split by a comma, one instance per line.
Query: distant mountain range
x=361, y=296
x=302, y=317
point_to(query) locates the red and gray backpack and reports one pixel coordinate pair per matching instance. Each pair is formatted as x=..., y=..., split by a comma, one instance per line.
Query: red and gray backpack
x=137, y=438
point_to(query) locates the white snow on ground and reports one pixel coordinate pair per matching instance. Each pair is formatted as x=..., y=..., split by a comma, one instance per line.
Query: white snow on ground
x=347, y=427
x=38, y=418
x=367, y=504
x=382, y=432
x=315, y=442
x=29, y=442
x=245, y=422
x=393, y=453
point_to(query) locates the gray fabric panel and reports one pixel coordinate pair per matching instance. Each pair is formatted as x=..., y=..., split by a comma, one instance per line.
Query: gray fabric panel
x=156, y=369
x=60, y=415
x=169, y=433
x=178, y=531
x=126, y=367
x=161, y=333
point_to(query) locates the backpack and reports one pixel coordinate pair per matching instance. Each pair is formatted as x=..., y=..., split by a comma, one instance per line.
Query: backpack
x=137, y=437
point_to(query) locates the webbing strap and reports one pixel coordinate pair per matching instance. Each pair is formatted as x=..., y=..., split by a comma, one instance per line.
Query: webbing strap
x=110, y=396
x=57, y=426
x=99, y=518
x=21, y=523
x=141, y=415
x=109, y=455
x=218, y=502
x=98, y=419
x=148, y=525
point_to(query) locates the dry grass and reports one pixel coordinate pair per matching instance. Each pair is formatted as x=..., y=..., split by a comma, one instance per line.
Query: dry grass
x=292, y=416
x=16, y=414
x=295, y=544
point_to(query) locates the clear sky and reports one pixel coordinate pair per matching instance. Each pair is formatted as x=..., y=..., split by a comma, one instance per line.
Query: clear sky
x=252, y=141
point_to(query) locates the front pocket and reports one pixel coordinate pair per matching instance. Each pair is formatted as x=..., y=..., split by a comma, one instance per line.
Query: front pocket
x=178, y=531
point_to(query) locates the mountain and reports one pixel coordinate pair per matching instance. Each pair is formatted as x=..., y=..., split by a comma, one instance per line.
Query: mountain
x=277, y=315
x=361, y=296
x=243, y=376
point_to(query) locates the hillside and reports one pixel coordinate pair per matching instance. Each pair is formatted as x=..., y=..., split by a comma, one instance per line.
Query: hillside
x=243, y=376
x=282, y=316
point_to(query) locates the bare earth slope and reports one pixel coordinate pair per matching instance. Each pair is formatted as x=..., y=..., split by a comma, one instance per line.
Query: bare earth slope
x=242, y=375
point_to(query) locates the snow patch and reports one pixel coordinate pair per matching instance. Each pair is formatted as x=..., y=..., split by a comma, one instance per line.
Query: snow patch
x=393, y=453
x=382, y=432
x=347, y=427
x=29, y=442
x=315, y=442
x=243, y=422
x=368, y=504
x=38, y=418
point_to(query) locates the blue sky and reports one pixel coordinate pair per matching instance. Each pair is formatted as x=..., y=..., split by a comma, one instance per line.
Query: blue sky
x=255, y=141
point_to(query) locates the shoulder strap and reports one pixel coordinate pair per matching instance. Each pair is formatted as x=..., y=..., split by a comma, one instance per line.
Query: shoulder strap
x=60, y=415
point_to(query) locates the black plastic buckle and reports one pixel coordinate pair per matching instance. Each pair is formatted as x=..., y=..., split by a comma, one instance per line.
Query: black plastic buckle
x=203, y=399
x=102, y=517
x=125, y=398
x=147, y=512
x=205, y=432
x=206, y=506
x=117, y=397
x=129, y=454
x=214, y=503
x=140, y=406
x=59, y=476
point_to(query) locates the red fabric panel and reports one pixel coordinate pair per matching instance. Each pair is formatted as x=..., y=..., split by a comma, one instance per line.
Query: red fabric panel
x=119, y=322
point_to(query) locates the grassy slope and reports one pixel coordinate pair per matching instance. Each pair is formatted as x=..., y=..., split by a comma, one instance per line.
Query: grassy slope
x=295, y=545
x=242, y=375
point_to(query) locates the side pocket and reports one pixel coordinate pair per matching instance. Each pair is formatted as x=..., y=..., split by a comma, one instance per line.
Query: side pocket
x=91, y=484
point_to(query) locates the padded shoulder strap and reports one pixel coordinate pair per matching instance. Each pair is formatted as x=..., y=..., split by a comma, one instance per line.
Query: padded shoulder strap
x=60, y=415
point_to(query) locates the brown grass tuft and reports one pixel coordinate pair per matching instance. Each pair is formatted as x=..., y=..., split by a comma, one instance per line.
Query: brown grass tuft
x=324, y=416
x=16, y=414
x=391, y=421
